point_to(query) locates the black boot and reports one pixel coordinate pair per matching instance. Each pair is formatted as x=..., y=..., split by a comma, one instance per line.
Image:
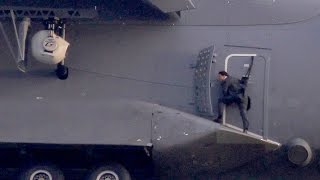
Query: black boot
x=218, y=119
x=245, y=126
x=245, y=130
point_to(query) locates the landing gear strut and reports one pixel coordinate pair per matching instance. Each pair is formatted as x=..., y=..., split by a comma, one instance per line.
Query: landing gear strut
x=62, y=71
x=57, y=26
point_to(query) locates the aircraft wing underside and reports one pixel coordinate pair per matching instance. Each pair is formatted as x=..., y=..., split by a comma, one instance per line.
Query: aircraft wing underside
x=112, y=8
x=173, y=5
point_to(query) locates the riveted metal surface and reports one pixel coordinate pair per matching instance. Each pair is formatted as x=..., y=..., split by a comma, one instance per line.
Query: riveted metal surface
x=202, y=81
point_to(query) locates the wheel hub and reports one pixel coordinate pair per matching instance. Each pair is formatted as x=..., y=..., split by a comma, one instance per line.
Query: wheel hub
x=50, y=44
x=41, y=175
x=107, y=175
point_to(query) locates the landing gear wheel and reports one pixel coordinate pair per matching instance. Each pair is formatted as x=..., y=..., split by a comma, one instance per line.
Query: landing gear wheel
x=62, y=72
x=110, y=172
x=42, y=173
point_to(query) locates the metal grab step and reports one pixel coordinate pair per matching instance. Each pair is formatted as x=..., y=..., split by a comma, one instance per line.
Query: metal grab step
x=41, y=13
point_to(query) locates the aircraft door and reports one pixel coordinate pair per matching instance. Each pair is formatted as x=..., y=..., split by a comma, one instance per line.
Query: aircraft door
x=237, y=65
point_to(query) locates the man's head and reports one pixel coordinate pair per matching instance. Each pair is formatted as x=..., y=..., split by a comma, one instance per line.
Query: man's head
x=222, y=75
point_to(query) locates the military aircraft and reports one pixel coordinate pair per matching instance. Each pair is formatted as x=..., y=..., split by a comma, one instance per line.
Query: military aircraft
x=126, y=89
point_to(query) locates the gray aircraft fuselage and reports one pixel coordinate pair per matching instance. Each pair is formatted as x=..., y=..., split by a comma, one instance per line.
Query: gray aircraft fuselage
x=131, y=82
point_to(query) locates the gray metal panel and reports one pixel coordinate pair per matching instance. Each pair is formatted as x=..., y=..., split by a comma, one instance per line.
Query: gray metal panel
x=250, y=12
x=294, y=83
x=203, y=81
x=173, y=5
x=77, y=121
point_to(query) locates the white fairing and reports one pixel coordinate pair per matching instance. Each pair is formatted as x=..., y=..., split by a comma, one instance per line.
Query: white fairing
x=48, y=50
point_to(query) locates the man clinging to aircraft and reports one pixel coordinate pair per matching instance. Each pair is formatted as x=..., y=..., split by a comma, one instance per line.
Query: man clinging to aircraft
x=232, y=92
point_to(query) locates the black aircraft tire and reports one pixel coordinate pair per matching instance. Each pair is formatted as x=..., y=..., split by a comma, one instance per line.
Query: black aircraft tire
x=112, y=171
x=44, y=171
x=62, y=72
